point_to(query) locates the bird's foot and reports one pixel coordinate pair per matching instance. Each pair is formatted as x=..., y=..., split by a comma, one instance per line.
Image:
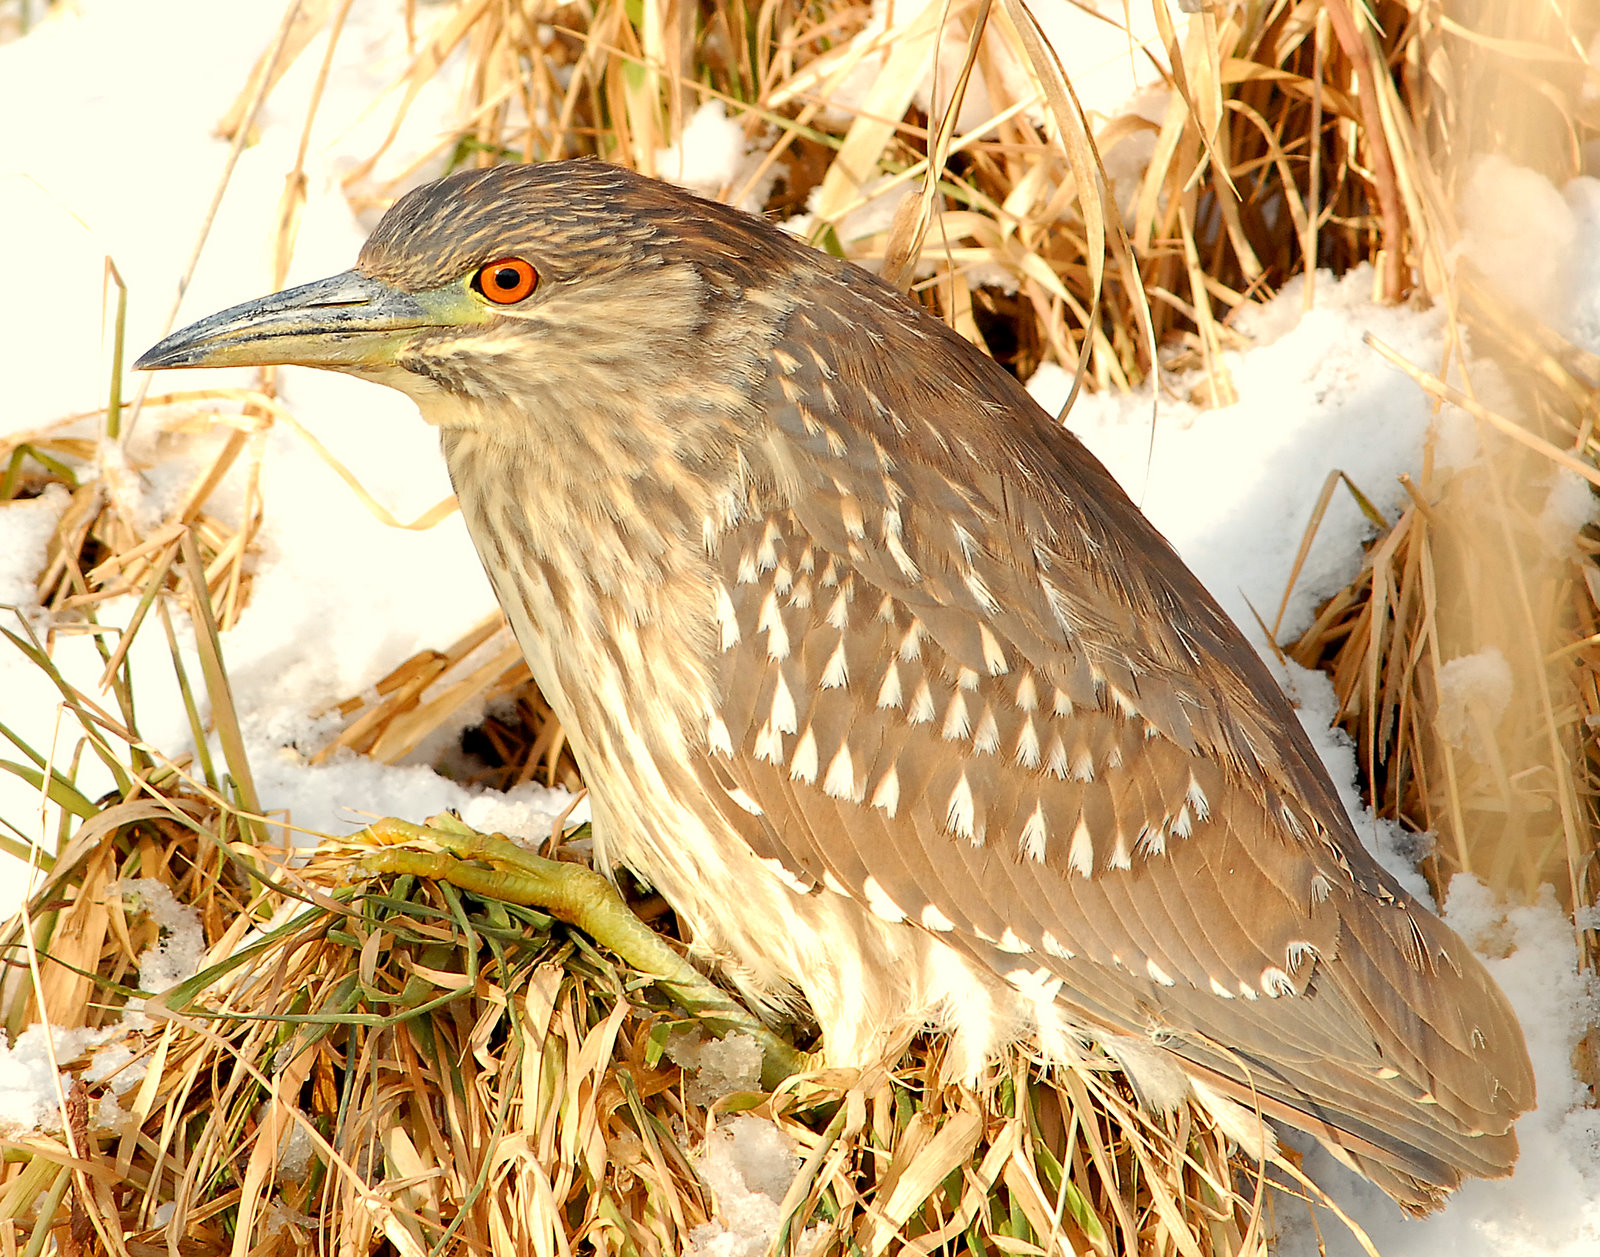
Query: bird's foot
x=492, y=866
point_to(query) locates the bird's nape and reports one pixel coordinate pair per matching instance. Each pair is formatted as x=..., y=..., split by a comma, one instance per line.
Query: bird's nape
x=882, y=680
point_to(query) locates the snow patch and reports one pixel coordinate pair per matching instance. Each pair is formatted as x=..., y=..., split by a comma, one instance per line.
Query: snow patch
x=749, y=1165
x=28, y=1096
x=713, y=156
x=1474, y=692
x=716, y=1067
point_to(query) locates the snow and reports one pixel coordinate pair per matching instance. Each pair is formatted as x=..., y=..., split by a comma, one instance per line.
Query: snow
x=28, y=1095
x=1533, y=243
x=1568, y=506
x=716, y=1067
x=713, y=156
x=111, y=151
x=178, y=953
x=28, y=526
x=1474, y=692
x=748, y=1164
x=1502, y=205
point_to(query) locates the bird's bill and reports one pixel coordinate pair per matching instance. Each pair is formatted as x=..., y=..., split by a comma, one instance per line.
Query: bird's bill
x=346, y=322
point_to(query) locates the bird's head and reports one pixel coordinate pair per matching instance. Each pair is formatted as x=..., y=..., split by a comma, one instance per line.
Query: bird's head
x=507, y=289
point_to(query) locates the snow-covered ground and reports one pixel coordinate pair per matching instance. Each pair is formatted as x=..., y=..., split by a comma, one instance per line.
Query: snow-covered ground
x=109, y=151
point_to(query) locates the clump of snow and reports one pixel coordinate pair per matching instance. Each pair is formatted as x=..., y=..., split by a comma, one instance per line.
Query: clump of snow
x=716, y=1067
x=1569, y=506
x=1582, y=314
x=880, y=201
x=108, y=1114
x=28, y=1097
x=351, y=790
x=296, y=1153
x=1517, y=230
x=713, y=156
x=1533, y=243
x=1050, y=386
x=749, y=1164
x=1474, y=692
x=116, y=1062
x=181, y=949
x=27, y=525
x=277, y=1221
x=1125, y=152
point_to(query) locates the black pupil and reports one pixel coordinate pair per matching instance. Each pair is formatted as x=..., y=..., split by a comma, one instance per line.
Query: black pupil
x=507, y=278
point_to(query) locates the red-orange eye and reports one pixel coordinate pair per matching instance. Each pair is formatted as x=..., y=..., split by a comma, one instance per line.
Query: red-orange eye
x=506, y=280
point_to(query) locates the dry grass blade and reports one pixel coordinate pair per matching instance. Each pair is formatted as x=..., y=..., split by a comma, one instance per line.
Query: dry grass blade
x=224, y=714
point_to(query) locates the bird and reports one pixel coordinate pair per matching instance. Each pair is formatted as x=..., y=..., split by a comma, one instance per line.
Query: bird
x=876, y=674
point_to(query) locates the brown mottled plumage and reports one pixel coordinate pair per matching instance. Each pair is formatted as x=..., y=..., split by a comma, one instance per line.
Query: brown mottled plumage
x=879, y=676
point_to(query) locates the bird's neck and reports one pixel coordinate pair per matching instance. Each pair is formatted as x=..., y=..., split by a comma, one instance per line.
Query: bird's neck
x=597, y=551
x=597, y=503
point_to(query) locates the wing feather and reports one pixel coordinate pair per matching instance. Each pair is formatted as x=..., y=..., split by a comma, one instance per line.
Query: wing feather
x=1016, y=714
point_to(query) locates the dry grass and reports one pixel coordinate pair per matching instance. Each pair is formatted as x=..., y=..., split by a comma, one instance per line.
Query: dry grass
x=100, y=551
x=402, y=1065
x=466, y=1074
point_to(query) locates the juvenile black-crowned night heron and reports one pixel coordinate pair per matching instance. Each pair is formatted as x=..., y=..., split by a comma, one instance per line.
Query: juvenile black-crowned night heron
x=876, y=674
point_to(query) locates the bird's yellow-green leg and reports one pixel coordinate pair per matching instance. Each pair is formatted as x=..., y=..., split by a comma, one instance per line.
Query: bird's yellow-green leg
x=491, y=865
